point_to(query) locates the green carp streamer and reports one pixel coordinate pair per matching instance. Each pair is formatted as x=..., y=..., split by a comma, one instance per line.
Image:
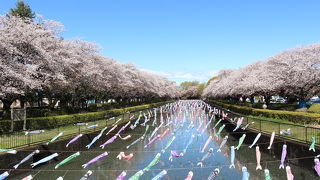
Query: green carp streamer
x=67, y=159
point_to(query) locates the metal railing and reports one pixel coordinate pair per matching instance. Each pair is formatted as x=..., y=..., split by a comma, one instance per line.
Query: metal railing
x=300, y=133
x=16, y=140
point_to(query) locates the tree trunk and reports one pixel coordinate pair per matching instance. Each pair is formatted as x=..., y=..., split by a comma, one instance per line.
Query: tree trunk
x=267, y=100
x=6, y=107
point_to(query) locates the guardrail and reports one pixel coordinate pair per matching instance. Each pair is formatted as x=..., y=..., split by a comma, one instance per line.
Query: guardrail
x=298, y=132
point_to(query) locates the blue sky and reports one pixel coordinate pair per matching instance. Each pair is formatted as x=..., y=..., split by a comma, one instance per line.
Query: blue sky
x=185, y=39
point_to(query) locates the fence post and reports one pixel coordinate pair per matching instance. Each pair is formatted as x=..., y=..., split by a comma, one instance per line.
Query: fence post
x=260, y=124
x=306, y=130
x=29, y=139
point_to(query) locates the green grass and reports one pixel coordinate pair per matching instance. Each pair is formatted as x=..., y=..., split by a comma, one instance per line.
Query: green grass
x=298, y=131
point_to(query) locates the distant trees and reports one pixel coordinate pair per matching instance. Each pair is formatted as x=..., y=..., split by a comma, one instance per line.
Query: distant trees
x=294, y=73
x=36, y=63
x=191, y=89
x=22, y=10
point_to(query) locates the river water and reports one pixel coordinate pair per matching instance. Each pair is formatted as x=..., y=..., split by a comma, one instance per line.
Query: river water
x=110, y=167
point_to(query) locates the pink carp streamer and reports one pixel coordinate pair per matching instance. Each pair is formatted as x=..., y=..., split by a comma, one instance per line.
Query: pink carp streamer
x=289, y=173
x=199, y=126
x=113, y=128
x=28, y=178
x=126, y=157
x=206, y=144
x=174, y=154
x=125, y=138
x=95, y=159
x=258, y=157
x=164, y=133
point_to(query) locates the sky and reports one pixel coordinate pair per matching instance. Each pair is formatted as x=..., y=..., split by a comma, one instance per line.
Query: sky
x=185, y=39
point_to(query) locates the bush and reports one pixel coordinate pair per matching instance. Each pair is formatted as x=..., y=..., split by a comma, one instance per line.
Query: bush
x=56, y=121
x=297, y=117
x=314, y=108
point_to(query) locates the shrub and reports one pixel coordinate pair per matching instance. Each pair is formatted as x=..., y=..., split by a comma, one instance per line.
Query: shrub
x=297, y=117
x=314, y=108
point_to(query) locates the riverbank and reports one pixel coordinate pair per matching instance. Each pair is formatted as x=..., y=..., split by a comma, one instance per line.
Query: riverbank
x=20, y=140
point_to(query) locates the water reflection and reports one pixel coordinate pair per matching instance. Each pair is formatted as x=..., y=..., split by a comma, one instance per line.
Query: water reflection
x=110, y=167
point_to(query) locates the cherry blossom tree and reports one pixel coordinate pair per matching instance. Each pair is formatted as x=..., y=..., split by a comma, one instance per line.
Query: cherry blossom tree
x=294, y=72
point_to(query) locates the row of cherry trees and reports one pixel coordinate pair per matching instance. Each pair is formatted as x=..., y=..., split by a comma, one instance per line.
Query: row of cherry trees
x=293, y=73
x=35, y=62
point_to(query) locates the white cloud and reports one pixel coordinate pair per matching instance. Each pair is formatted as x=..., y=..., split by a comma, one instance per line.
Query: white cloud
x=181, y=76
